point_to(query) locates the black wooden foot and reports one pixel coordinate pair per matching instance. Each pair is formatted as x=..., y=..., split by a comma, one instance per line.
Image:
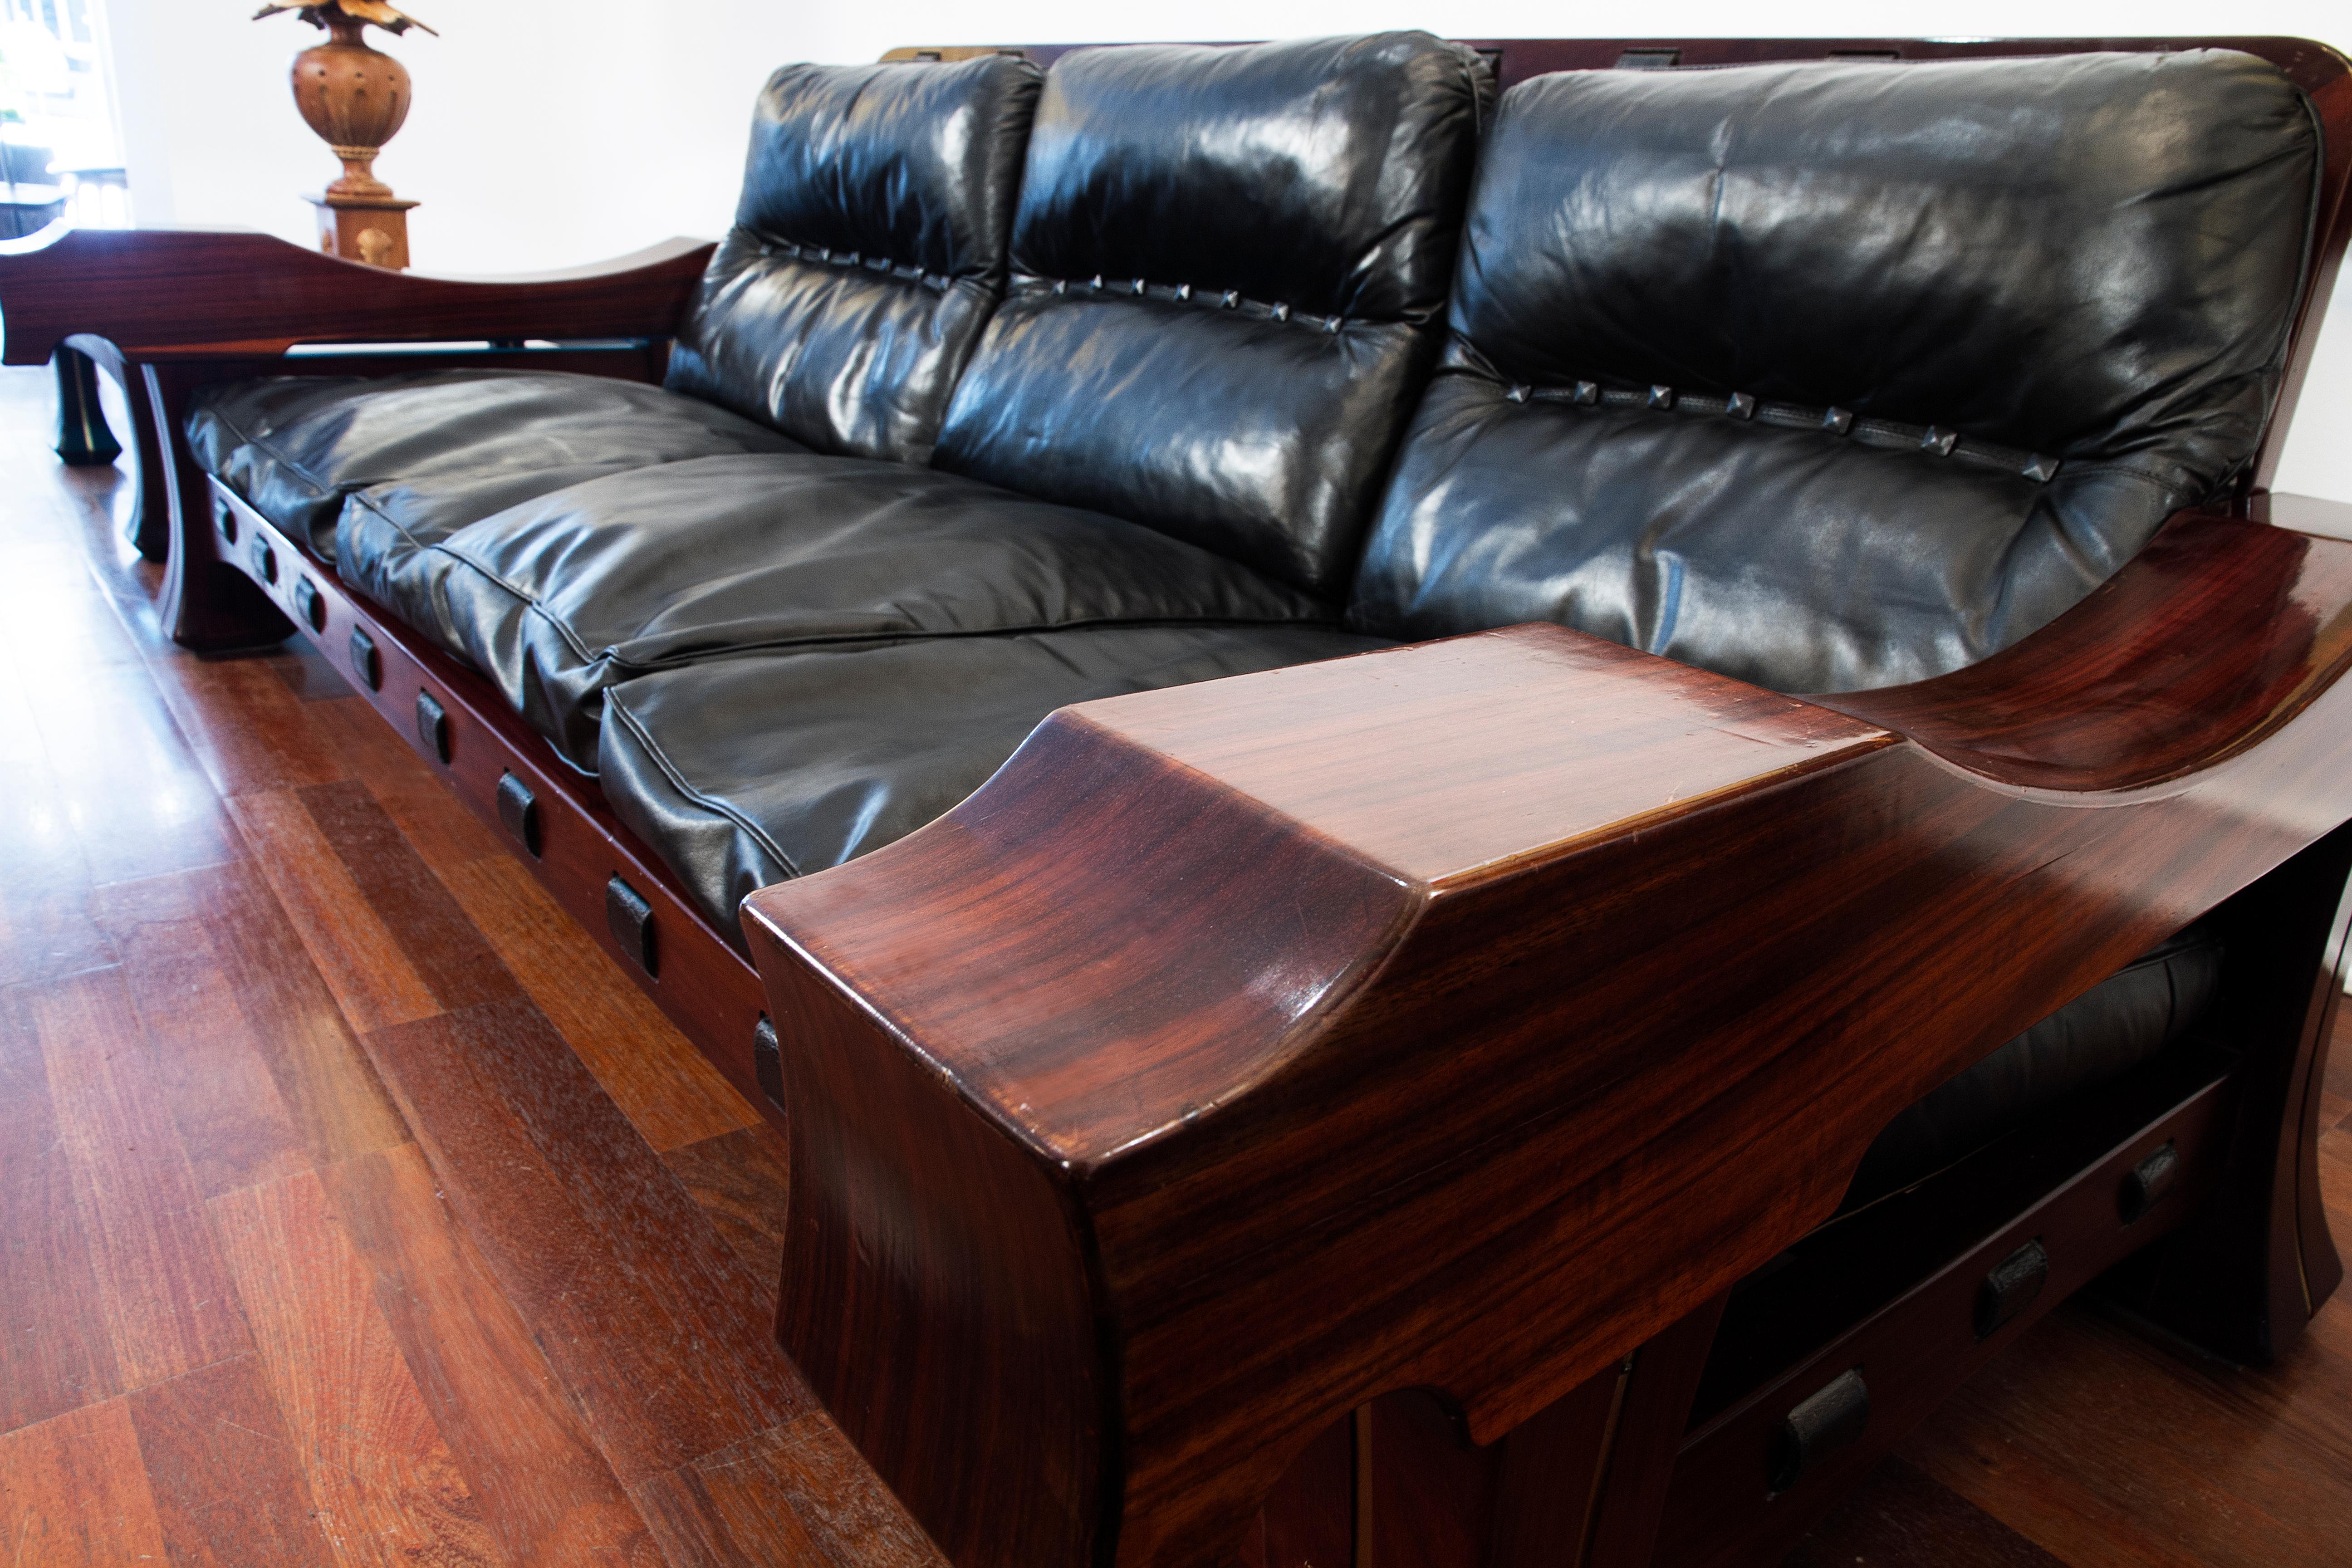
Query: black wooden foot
x=83, y=438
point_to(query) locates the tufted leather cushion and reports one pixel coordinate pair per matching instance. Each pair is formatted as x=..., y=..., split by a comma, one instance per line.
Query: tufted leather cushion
x=559, y=598
x=1989, y=268
x=745, y=772
x=1228, y=265
x=446, y=446
x=867, y=251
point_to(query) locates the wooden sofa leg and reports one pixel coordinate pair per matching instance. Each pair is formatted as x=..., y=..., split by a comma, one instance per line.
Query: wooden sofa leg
x=206, y=605
x=2243, y=1278
x=84, y=439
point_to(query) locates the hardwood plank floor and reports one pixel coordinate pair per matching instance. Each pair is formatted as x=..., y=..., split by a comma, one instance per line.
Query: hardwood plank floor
x=355, y=1209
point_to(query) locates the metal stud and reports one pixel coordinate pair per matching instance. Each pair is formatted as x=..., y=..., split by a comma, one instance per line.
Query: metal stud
x=1740, y=405
x=1183, y=293
x=1136, y=287
x=1588, y=393
x=1229, y=299
x=2040, y=469
x=1837, y=421
x=1662, y=397
x=1282, y=312
x=1061, y=285
x=1098, y=283
x=1331, y=323
x=1517, y=394
x=1939, y=442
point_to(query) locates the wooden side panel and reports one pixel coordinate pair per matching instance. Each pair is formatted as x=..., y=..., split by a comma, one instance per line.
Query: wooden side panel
x=1297, y=1208
x=935, y=1291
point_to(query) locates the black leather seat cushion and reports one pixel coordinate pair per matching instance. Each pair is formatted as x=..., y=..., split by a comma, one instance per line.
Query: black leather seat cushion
x=867, y=251
x=2125, y=1022
x=745, y=772
x=1988, y=266
x=1228, y=267
x=440, y=450
x=563, y=596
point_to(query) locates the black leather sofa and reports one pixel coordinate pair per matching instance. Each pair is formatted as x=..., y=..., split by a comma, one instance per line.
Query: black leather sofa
x=1013, y=388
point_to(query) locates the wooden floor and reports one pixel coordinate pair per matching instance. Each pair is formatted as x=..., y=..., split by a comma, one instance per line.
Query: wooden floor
x=354, y=1209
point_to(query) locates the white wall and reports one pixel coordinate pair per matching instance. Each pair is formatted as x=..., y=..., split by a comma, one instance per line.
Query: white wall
x=545, y=136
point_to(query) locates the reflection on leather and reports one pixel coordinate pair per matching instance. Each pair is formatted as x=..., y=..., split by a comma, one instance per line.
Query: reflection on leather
x=2092, y=259
x=867, y=251
x=1305, y=199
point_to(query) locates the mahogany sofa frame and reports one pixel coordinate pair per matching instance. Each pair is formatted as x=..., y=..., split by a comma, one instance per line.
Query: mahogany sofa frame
x=1379, y=1200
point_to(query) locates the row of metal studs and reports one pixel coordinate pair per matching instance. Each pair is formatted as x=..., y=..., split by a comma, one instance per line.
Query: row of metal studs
x=908, y=273
x=1837, y=421
x=1184, y=294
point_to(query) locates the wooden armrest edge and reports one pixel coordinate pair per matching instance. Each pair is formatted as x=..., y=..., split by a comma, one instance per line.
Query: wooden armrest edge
x=176, y=292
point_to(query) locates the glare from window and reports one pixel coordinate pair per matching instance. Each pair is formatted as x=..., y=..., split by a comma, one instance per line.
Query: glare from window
x=60, y=160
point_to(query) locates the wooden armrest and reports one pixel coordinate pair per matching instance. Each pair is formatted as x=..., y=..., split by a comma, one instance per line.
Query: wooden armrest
x=1458, y=1017
x=2219, y=632
x=172, y=293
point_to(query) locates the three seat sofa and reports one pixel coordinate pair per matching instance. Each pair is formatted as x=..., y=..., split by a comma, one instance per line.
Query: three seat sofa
x=1014, y=388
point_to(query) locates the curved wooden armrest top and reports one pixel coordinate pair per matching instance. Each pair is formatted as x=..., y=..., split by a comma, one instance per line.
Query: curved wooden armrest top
x=167, y=293
x=2216, y=634
x=1460, y=1016
x=1305, y=811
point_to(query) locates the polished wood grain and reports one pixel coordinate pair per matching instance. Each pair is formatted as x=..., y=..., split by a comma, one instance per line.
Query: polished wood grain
x=673, y=1096
x=155, y=293
x=58, y=1355
x=2027, y=1463
x=703, y=986
x=253, y=1308
x=91, y=1456
x=2112, y=698
x=547, y=1492
x=381, y=1475
x=1314, y=1119
x=162, y=1290
x=222, y=1469
x=1899, y=1516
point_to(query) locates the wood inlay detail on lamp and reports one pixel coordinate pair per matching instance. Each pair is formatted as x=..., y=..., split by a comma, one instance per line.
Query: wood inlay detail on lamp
x=356, y=98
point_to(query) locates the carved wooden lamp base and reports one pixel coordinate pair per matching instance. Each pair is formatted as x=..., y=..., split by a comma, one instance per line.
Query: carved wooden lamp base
x=373, y=229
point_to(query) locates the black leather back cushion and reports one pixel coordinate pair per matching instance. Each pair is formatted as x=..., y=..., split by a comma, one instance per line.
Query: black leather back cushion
x=2042, y=303
x=1229, y=269
x=867, y=253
